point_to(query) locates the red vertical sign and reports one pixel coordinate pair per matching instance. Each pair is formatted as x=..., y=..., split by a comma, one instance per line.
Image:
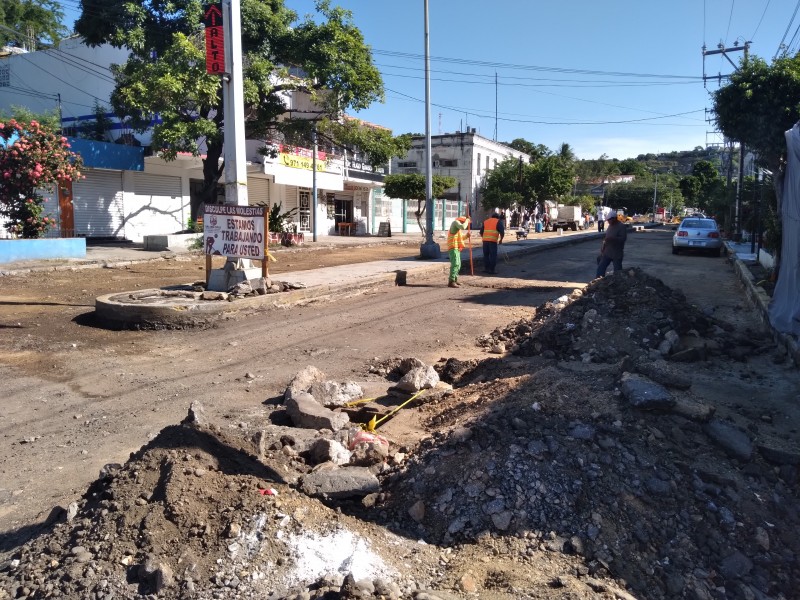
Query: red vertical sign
x=215, y=39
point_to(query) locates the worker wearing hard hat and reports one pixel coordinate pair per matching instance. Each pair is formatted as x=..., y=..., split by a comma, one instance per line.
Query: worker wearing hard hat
x=455, y=244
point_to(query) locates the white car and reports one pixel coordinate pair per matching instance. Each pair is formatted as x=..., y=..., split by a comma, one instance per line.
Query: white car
x=695, y=233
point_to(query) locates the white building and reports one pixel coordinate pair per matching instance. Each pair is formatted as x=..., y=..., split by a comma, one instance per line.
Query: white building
x=129, y=192
x=466, y=156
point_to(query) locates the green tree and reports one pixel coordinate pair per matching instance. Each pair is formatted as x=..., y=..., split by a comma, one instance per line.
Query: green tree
x=324, y=57
x=550, y=177
x=758, y=105
x=534, y=151
x=506, y=185
x=413, y=187
x=32, y=158
x=38, y=24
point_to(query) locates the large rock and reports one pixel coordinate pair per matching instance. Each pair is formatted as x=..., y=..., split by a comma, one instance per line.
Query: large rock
x=731, y=439
x=331, y=393
x=306, y=412
x=303, y=381
x=418, y=378
x=346, y=482
x=330, y=451
x=645, y=394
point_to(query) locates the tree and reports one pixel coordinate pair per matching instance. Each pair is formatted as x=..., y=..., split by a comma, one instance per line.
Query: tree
x=513, y=182
x=413, y=187
x=38, y=24
x=506, y=185
x=32, y=158
x=758, y=105
x=550, y=177
x=325, y=59
x=534, y=151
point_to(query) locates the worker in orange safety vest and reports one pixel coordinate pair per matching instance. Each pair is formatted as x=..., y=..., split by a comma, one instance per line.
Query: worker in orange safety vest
x=455, y=244
x=492, y=231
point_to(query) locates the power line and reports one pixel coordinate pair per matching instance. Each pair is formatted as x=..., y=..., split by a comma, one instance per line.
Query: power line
x=761, y=19
x=472, y=112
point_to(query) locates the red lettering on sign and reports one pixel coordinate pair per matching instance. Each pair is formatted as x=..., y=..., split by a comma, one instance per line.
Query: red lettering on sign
x=215, y=51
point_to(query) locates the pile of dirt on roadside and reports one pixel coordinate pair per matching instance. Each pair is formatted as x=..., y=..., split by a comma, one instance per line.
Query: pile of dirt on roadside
x=537, y=479
x=629, y=315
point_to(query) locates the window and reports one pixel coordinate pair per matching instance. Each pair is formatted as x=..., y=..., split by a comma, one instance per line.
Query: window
x=5, y=75
x=495, y=163
x=448, y=162
x=478, y=162
x=487, y=163
x=408, y=164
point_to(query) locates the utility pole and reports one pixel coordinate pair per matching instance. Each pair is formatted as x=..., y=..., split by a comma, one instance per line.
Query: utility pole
x=429, y=249
x=721, y=49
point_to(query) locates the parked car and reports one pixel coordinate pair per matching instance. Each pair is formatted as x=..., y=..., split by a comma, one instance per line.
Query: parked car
x=697, y=234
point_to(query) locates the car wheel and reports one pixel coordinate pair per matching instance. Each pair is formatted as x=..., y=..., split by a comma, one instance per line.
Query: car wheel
x=674, y=250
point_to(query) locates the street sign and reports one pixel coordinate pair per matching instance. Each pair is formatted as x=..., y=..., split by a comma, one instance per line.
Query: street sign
x=215, y=39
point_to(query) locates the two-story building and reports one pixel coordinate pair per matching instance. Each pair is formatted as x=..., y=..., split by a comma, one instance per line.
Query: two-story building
x=129, y=191
x=465, y=155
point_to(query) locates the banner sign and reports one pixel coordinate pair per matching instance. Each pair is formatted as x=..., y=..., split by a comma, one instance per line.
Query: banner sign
x=234, y=231
x=301, y=162
x=215, y=39
x=296, y=151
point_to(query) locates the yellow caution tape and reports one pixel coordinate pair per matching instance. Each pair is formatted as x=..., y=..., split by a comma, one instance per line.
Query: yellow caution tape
x=373, y=423
x=357, y=402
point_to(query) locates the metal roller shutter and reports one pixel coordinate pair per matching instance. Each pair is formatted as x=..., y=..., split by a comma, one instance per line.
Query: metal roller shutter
x=97, y=201
x=156, y=206
x=258, y=191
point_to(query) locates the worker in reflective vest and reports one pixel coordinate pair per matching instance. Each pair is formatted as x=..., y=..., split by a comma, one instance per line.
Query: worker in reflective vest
x=492, y=231
x=455, y=244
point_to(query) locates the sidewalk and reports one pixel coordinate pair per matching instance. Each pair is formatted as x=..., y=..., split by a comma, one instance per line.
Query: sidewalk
x=741, y=256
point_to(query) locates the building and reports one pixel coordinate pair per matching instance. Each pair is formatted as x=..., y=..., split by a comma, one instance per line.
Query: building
x=464, y=155
x=129, y=191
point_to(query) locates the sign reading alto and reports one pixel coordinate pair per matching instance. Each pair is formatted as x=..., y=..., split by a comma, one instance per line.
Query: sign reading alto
x=234, y=231
x=215, y=39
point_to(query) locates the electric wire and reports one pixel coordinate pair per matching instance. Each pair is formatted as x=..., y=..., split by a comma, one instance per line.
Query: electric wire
x=760, y=20
x=730, y=18
x=788, y=27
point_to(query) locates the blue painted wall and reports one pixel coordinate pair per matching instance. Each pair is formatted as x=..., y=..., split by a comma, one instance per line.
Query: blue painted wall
x=104, y=155
x=13, y=250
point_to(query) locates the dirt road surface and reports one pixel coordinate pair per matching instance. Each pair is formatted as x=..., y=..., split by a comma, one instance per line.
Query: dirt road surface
x=77, y=397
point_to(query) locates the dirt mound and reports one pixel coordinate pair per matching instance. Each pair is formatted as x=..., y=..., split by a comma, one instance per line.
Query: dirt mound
x=539, y=478
x=631, y=315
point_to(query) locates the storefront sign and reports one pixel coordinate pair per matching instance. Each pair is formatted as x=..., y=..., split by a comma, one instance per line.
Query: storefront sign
x=296, y=151
x=301, y=162
x=351, y=187
x=234, y=231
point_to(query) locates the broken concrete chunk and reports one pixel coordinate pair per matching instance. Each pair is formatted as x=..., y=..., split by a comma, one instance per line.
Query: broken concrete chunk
x=329, y=451
x=731, y=439
x=303, y=380
x=304, y=411
x=331, y=393
x=344, y=482
x=645, y=394
x=418, y=378
x=407, y=364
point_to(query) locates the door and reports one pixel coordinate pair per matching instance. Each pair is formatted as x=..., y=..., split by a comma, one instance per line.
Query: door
x=343, y=211
x=304, y=211
x=65, y=210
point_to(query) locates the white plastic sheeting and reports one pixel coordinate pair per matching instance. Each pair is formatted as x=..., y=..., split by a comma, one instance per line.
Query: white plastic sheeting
x=784, y=309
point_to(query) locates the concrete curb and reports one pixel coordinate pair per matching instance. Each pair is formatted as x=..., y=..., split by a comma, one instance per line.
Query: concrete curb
x=113, y=311
x=760, y=301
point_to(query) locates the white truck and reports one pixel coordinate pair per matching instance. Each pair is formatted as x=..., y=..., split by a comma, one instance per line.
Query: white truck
x=566, y=217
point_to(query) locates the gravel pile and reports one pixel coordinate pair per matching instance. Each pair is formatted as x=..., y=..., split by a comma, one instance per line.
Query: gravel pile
x=580, y=466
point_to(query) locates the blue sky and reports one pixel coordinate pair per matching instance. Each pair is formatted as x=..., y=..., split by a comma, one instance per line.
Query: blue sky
x=614, y=77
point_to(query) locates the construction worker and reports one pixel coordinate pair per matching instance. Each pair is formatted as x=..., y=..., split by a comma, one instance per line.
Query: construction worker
x=492, y=231
x=455, y=244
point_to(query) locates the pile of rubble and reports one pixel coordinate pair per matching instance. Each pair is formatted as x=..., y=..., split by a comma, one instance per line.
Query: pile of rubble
x=582, y=466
